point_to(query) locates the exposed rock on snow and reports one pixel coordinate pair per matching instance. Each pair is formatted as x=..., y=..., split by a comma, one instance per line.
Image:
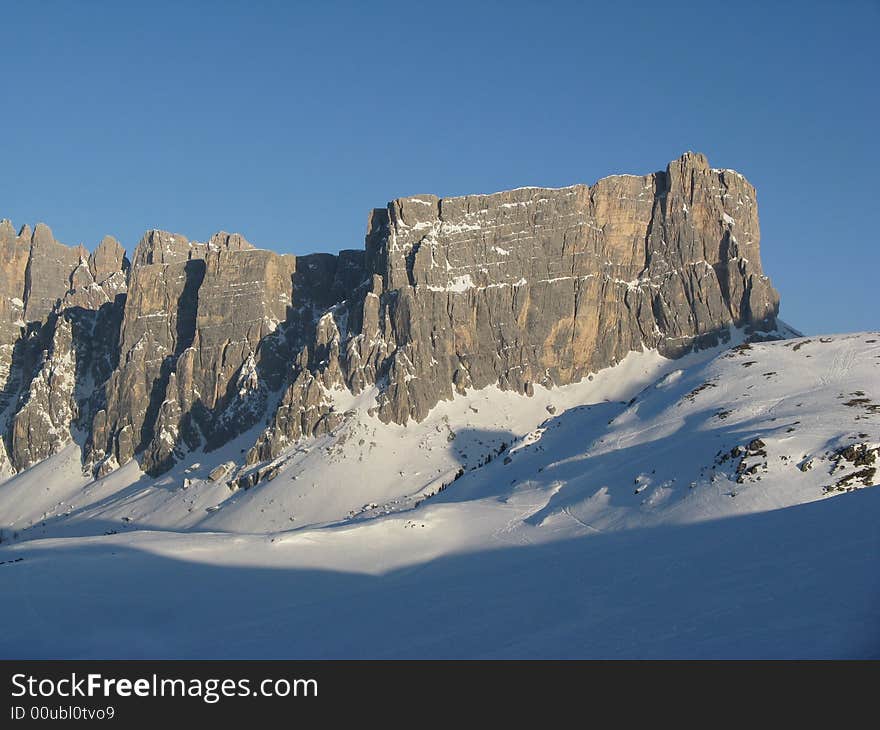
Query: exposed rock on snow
x=196, y=343
x=533, y=286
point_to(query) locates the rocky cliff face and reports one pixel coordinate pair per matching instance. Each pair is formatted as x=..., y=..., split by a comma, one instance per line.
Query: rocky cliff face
x=533, y=286
x=59, y=315
x=196, y=343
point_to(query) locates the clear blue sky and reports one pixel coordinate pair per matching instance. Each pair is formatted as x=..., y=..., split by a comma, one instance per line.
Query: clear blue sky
x=289, y=121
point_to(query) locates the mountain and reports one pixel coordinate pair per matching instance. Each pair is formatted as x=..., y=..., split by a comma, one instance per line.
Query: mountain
x=543, y=422
x=191, y=344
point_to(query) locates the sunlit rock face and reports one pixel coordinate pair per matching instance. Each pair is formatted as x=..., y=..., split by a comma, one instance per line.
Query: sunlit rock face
x=195, y=343
x=533, y=285
x=59, y=312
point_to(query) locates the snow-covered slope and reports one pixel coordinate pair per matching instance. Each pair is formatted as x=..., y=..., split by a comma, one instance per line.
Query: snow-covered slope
x=363, y=469
x=655, y=510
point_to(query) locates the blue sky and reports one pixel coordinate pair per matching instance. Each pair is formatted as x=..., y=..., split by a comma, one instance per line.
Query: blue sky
x=289, y=121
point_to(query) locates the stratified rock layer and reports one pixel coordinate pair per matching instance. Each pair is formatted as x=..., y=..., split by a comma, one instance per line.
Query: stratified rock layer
x=195, y=343
x=534, y=286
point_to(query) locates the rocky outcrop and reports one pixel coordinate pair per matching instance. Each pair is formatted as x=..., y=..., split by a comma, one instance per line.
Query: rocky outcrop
x=207, y=334
x=41, y=426
x=533, y=286
x=14, y=255
x=530, y=286
x=59, y=311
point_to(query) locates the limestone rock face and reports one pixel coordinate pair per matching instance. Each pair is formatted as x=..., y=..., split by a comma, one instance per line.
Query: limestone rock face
x=194, y=343
x=533, y=286
x=41, y=425
x=14, y=255
x=59, y=311
x=50, y=272
x=203, y=342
